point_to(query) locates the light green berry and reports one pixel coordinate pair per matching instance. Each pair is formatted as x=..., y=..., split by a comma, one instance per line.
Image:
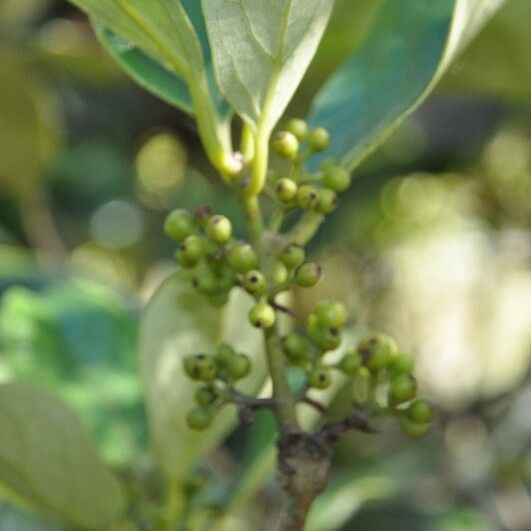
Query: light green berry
x=299, y=128
x=319, y=139
x=308, y=275
x=262, y=315
x=320, y=378
x=286, y=145
x=254, y=282
x=179, y=224
x=199, y=418
x=292, y=255
x=286, y=189
x=219, y=229
x=242, y=257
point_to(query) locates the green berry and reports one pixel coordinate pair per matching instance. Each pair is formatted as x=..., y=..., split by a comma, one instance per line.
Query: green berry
x=242, y=257
x=206, y=281
x=218, y=299
x=254, y=282
x=336, y=178
x=402, y=363
x=299, y=128
x=205, y=396
x=296, y=348
x=262, y=315
x=279, y=273
x=201, y=367
x=307, y=196
x=193, y=248
x=286, y=189
x=181, y=259
x=292, y=255
x=199, y=418
x=377, y=351
x=326, y=201
x=420, y=411
x=320, y=378
x=332, y=314
x=286, y=145
x=308, y=275
x=402, y=389
x=219, y=229
x=412, y=429
x=328, y=338
x=238, y=366
x=350, y=363
x=224, y=353
x=179, y=224
x=319, y=139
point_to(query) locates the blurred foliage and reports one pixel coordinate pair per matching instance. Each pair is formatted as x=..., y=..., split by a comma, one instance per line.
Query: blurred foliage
x=432, y=244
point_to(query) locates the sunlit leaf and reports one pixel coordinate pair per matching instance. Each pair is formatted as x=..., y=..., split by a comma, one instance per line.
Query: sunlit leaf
x=47, y=459
x=262, y=50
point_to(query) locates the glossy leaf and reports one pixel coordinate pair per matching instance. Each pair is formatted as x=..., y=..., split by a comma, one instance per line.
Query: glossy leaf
x=147, y=72
x=261, y=50
x=48, y=460
x=178, y=323
x=410, y=46
x=159, y=44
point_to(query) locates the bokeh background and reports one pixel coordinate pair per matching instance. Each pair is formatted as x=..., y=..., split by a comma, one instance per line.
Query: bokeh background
x=432, y=245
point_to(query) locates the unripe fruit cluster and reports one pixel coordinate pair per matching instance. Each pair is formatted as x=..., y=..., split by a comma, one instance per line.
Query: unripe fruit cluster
x=303, y=190
x=218, y=373
x=374, y=362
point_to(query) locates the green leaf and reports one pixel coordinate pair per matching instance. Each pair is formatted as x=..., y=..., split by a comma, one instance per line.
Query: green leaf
x=410, y=46
x=161, y=29
x=147, y=72
x=262, y=50
x=176, y=324
x=48, y=460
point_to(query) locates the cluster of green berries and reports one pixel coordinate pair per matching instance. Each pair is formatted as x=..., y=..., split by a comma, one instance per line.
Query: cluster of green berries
x=217, y=373
x=374, y=364
x=319, y=191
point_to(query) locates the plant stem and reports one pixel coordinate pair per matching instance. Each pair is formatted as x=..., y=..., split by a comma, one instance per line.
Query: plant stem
x=284, y=399
x=253, y=216
x=305, y=228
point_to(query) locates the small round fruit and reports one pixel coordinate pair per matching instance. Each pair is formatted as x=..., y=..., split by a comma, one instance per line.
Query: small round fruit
x=319, y=139
x=415, y=430
x=286, y=189
x=377, y=351
x=205, y=396
x=402, y=389
x=331, y=314
x=403, y=363
x=262, y=315
x=308, y=275
x=279, y=273
x=326, y=201
x=328, y=338
x=336, y=178
x=307, y=196
x=296, y=347
x=205, y=281
x=292, y=255
x=201, y=367
x=320, y=378
x=192, y=248
x=239, y=366
x=242, y=257
x=224, y=353
x=199, y=418
x=299, y=128
x=254, y=282
x=286, y=145
x=420, y=411
x=350, y=363
x=179, y=224
x=219, y=229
